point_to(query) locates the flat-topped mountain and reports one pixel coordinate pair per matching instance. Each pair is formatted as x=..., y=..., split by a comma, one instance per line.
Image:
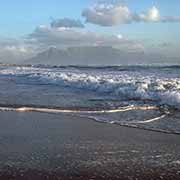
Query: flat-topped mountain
x=99, y=55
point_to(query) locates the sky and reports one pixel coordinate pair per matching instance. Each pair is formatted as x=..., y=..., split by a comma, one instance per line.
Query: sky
x=30, y=27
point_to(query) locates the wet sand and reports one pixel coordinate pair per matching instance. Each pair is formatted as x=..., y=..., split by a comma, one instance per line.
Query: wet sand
x=38, y=146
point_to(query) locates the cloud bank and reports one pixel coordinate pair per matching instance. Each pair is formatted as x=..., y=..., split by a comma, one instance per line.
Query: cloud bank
x=12, y=50
x=46, y=36
x=116, y=14
x=67, y=32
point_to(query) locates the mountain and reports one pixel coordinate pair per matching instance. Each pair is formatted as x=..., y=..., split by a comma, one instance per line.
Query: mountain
x=87, y=56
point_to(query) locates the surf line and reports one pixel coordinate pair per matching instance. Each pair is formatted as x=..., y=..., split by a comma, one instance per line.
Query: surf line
x=130, y=125
x=56, y=110
x=150, y=120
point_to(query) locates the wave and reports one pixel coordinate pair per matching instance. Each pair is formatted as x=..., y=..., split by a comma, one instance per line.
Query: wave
x=138, y=97
x=110, y=67
x=162, y=88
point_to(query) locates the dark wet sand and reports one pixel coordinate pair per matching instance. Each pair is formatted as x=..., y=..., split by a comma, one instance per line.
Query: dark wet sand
x=35, y=146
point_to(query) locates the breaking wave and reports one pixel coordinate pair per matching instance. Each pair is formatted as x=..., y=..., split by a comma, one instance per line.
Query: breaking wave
x=160, y=88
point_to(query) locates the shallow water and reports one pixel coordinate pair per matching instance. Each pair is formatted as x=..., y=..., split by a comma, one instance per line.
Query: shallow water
x=139, y=96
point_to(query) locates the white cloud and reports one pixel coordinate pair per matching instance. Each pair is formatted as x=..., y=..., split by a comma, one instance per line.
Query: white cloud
x=44, y=37
x=12, y=50
x=107, y=15
x=14, y=53
x=116, y=14
x=16, y=49
x=64, y=37
x=152, y=14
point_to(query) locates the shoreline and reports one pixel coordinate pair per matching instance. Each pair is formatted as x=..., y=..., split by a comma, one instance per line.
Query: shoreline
x=69, y=111
x=57, y=146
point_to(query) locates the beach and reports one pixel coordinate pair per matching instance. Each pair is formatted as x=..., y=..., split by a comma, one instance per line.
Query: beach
x=63, y=146
x=89, y=90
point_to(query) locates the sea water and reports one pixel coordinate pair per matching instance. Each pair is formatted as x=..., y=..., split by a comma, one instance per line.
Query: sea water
x=145, y=97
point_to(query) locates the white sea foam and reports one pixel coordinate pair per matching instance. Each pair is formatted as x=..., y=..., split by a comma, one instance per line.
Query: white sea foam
x=123, y=85
x=150, y=120
x=54, y=110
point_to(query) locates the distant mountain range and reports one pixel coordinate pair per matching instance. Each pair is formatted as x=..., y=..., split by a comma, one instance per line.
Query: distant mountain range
x=91, y=56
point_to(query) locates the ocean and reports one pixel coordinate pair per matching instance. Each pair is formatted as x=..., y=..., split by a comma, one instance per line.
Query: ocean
x=146, y=97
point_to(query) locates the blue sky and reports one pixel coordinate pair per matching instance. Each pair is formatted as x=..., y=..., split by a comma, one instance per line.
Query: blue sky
x=19, y=19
